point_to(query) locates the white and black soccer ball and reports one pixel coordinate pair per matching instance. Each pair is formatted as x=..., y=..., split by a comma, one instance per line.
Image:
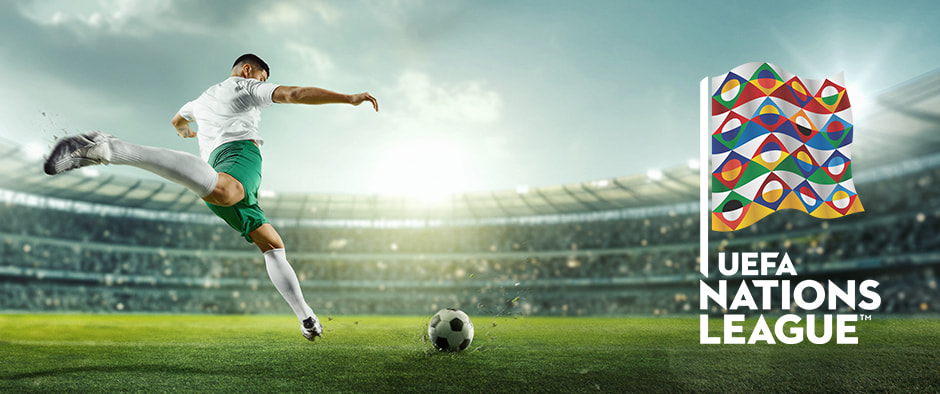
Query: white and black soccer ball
x=450, y=330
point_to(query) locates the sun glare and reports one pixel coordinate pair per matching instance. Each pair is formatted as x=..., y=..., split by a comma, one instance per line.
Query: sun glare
x=431, y=171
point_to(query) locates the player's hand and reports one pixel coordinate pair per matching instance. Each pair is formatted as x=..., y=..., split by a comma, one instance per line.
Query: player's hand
x=185, y=131
x=361, y=97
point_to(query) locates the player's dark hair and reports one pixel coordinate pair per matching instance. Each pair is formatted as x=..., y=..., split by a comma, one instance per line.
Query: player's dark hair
x=254, y=61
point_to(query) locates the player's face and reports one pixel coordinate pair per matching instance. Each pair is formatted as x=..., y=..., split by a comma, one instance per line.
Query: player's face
x=260, y=75
x=254, y=73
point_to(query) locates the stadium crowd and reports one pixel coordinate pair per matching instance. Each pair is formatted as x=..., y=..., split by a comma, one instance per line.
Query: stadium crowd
x=60, y=260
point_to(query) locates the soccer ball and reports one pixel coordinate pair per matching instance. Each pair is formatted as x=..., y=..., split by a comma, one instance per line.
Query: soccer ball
x=450, y=330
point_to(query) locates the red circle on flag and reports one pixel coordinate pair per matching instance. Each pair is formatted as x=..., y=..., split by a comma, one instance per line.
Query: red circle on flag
x=807, y=194
x=731, y=170
x=835, y=127
x=767, y=83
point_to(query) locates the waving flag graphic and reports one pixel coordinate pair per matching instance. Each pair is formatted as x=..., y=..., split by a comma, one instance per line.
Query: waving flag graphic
x=779, y=142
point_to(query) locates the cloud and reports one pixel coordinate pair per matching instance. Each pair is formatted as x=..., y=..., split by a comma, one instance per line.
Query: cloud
x=140, y=18
x=297, y=12
x=117, y=17
x=309, y=56
x=429, y=105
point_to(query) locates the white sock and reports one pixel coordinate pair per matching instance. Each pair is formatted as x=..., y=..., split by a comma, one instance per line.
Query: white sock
x=180, y=167
x=285, y=280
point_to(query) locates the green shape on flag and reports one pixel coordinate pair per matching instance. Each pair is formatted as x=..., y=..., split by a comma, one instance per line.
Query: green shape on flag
x=837, y=143
x=765, y=67
x=788, y=164
x=821, y=177
x=732, y=197
x=734, y=141
x=752, y=171
x=717, y=186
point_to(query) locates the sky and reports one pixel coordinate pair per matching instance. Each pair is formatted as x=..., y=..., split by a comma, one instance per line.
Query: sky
x=474, y=95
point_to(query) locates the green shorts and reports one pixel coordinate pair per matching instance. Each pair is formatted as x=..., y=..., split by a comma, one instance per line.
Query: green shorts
x=241, y=160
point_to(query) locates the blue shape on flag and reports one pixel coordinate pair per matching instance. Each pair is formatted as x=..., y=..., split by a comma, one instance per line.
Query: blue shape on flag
x=808, y=196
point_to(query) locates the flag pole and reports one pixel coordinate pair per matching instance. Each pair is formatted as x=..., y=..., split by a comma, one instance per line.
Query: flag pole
x=704, y=169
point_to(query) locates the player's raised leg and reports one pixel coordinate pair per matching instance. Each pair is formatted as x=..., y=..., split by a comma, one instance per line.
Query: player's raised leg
x=285, y=280
x=180, y=167
x=100, y=148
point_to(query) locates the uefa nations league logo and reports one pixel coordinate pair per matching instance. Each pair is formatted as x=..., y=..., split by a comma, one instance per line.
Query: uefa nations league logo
x=778, y=142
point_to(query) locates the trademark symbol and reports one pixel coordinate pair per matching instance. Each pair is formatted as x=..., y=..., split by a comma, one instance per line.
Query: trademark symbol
x=864, y=317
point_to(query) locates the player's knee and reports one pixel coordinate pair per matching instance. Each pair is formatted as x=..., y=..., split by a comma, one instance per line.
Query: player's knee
x=227, y=192
x=267, y=238
x=233, y=194
x=223, y=197
x=266, y=245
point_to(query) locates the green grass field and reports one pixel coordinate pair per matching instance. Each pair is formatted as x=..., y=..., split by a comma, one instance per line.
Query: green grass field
x=52, y=352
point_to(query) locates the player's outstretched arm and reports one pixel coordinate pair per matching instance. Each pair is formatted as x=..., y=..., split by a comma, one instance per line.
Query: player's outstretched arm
x=314, y=96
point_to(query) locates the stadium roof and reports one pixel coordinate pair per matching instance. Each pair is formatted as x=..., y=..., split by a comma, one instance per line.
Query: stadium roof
x=905, y=125
x=908, y=113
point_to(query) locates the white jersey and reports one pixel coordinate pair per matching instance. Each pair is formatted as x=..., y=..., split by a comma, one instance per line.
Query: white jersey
x=229, y=111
